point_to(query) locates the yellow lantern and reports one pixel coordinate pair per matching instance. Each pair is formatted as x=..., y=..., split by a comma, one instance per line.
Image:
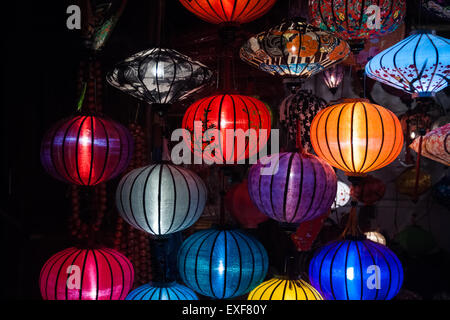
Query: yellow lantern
x=282, y=288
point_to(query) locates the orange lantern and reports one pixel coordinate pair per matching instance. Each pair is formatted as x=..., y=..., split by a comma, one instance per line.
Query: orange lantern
x=356, y=136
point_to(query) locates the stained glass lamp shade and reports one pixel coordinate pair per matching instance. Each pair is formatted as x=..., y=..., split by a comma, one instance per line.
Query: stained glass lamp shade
x=356, y=270
x=228, y=11
x=162, y=291
x=221, y=263
x=159, y=76
x=294, y=48
x=419, y=64
x=161, y=199
x=284, y=289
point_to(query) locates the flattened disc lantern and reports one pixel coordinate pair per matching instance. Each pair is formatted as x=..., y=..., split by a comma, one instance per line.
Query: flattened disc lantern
x=294, y=48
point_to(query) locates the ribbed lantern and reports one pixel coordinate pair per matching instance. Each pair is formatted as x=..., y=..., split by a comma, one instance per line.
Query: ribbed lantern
x=162, y=291
x=356, y=270
x=406, y=182
x=302, y=189
x=280, y=288
x=161, y=199
x=86, y=274
x=228, y=12
x=221, y=114
x=359, y=19
x=221, y=263
x=333, y=77
x=356, y=136
x=294, y=48
x=342, y=195
x=419, y=64
x=159, y=76
x=86, y=149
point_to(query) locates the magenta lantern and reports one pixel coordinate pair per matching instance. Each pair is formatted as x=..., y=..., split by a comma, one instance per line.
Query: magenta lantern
x=86, y=274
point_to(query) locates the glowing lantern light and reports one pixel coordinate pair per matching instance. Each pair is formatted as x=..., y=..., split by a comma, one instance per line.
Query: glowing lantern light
x=221, y=263
x=86, y=150
x=162, y=291
x=342, y=195
x=333, y=77
x=302, y=189
x=419, y=64
x=294, y=48
x=435, y=145
x=376, y=237
x=356, y=270
x=161, y=198
x=219, y=113
x=356, y=136
x=86, y=274
x=231, y=12
x=280, y=288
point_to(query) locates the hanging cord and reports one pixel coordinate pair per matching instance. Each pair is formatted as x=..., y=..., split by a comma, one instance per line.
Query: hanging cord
x=222, y=197
x=419, y=153
x=352, y=227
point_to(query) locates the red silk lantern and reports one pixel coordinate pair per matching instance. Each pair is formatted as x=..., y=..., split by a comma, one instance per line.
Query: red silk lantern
x=222, y=112
x=225, y=11
x=241, y=207
x=307, y=232
x=86, y=150
x=368, y=190
x=86, y=274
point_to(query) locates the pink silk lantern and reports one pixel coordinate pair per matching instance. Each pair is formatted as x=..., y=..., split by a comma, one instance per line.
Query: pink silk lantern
x=435, y=145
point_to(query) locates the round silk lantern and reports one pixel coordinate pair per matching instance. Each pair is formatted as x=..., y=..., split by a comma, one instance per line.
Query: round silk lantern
x=441, y=192
x=368, y=190
x=222, y=263
x=302, y=189
x=86, y=150
x=356, y=270
x=419, y=64
x=356, y=136
x=357, y=20
x=161, y=199
x=294, y=48
x=376, y=237
x=216, y=117
x=406, y=182
x=333, y=77
x=342, y=195
x=241, y=207
x=280, y=288
x=159, y=76
x=86, y=274
x=162, y=291
x=228, y=12
x=416, y=241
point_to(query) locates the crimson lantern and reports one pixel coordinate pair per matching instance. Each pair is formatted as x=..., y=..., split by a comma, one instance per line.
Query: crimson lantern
x=86, y=274
x=86, y=149
x=211, y=120
x=226, y=11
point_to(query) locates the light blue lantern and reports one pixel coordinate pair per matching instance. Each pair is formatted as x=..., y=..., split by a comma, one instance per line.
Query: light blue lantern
x=162, y=291
x=221, y=263
x=356, y=269
x=419, y=64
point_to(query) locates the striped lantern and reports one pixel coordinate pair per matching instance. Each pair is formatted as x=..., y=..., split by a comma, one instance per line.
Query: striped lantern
x=356, y=269
x=86, y=274
x=356, y=136
x=302, y=189
x=161, y=199
x=86, y=150
x=162, y=291
x=280, y=288
x=222, y=263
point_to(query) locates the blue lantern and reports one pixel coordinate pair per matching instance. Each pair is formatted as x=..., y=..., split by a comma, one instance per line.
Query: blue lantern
x=357, y=269
x=162, y=291
x=441, y=191
x=419, y=64
x=221, y=263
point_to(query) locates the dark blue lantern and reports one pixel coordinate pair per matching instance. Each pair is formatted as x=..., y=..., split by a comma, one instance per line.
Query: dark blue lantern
x=222, y=263
x=162, y=291
x=356, y=270
x=441, y=191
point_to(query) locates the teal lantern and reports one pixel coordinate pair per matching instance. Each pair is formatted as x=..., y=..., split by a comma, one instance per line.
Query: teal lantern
x=162, y=291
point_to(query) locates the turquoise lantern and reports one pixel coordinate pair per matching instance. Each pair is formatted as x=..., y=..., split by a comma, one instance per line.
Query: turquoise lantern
x=162, y=291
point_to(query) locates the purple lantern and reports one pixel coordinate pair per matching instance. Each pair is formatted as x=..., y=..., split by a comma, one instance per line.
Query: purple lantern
x=302, y=189
x=333, y=77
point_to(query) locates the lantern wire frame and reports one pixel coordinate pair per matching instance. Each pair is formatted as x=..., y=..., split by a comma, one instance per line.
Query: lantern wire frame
x=282, y=288
x=162, y=291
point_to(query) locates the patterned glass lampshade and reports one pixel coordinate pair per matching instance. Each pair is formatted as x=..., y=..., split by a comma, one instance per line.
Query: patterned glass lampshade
x=86, y=150
x=159, y=76
x=333, y=77
x=419, y=64
x=294, y=48
x=302, y=189
x=356, y=270
x=161, y=199
x=86, y=274
x=284, y=289
x=162, y=291
x=221, y=263
x=356, y=136
x=226, y=11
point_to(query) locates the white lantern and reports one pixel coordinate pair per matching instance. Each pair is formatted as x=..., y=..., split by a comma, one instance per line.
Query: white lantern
x=376, y=237
x=342, y=195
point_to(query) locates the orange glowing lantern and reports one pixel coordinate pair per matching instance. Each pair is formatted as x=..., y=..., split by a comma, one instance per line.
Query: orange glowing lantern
x=356, y=136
